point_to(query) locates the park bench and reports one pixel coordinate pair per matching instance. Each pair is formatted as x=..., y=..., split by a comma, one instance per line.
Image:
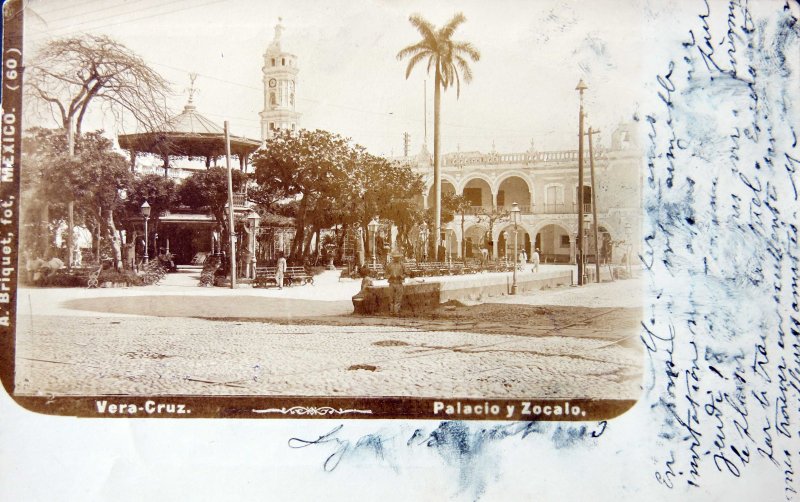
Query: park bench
x=376, y=270
x=298, y=275
x=89, y=273
x=437, y=268
x=265, y=277
x=472, y=266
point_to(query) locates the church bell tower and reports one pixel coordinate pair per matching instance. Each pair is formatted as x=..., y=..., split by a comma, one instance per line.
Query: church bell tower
x=280, y=88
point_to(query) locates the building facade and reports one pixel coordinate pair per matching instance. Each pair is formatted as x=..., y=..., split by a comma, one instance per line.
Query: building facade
x=545, y=186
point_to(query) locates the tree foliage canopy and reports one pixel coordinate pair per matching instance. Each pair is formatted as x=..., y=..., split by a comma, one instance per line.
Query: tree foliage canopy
x=445, y=55
x=334, y=183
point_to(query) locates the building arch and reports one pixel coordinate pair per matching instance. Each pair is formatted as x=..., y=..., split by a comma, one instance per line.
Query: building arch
x=571, y=227
x=525, y=238
x=514, y=188
x=445, y=178
x=478, y=190
x=555, y=241
x=473, y=176
x=510, y=174
x=448, y=186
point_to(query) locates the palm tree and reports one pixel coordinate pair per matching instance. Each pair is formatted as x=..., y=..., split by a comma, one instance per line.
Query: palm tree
x=447, y=57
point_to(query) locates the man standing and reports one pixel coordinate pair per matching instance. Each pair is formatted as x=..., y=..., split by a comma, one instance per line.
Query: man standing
x=396, y=272
x=280, y=271
x=535, y=259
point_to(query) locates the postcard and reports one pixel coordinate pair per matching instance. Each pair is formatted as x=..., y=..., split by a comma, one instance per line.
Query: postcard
x=477, y=251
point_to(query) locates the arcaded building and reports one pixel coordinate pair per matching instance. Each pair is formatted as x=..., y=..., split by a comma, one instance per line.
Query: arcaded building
x=545, y=186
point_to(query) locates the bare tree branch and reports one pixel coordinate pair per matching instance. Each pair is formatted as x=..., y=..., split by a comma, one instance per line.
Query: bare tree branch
x=71, y=73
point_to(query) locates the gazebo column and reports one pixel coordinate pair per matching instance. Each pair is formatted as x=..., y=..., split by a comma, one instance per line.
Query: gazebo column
x=165, y=157
x=208, y=161
x=242, y=162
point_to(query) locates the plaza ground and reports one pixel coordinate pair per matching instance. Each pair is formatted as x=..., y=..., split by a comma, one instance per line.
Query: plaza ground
x=177, y=338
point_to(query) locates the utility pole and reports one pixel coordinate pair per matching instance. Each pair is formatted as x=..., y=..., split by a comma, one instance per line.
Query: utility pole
x=580, y=88
x=231, y=228
x=406, y=143
x=594, y=207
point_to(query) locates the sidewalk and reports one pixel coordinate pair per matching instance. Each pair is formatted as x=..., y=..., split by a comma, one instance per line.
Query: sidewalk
x=181, y=291
x=625, y=293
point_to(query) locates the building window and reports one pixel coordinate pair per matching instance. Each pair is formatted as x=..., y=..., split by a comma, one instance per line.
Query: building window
x=272, y=99
x=554, y=199
x=565, y=241
x=273, y=61
x=293, y=127
x=283, y=61
x=474, y=196
x=501, y=198
x=272, y=126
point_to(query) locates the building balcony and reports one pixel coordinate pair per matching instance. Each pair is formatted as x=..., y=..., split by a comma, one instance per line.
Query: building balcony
x=561, y=208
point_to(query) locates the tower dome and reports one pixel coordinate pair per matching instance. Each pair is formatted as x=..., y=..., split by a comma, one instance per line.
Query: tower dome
x=280, y=88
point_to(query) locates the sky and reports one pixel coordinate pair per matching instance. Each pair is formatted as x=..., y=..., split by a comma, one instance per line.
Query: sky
x=523, y=90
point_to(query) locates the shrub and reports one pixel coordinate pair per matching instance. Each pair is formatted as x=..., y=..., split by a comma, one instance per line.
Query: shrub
x=122, y=277
x=62, y=280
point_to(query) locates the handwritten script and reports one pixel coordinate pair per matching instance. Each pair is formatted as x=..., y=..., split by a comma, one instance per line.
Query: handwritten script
x=723, y=333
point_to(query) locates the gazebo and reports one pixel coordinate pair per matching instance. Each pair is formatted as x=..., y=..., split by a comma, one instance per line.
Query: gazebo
x=189, y=134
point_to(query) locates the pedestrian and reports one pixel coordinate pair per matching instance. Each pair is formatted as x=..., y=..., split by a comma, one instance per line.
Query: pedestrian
x=396, y=272
x=523, y=259
x=280, y=271
x=484, y=255
x=535, y=258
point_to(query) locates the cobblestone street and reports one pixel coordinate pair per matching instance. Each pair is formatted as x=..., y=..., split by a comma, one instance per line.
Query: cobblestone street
x=80, y=342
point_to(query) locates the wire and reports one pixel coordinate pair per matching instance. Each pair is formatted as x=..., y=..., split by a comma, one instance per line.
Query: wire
x=67, y=20
x=128, y=20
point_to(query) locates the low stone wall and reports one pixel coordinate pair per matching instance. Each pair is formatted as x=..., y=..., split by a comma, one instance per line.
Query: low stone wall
x=420, y=296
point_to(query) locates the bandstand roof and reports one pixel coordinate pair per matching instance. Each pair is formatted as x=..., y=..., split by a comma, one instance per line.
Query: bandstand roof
x=188, y=134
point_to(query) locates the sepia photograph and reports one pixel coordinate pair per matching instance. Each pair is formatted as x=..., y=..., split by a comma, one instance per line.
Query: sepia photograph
x=355, y=209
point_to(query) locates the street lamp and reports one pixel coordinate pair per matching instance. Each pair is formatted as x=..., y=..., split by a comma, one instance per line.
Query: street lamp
x=146, y=214
x=253, y=219
x=423, y=231
x=515, y=218
x=373, y=227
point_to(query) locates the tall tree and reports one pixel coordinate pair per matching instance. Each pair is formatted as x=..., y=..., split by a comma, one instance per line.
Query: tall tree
x=462, y=207
x=93, y=178
x=69, y=74
x=310, y=166
x=491, y=217
x=447, y=57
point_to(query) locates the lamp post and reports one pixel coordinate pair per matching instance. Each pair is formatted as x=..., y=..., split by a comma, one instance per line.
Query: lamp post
x=514, y=217
x=580, y=88
x=253, y=218
x=373, y=227
x=423, y=232
x=145, y=215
